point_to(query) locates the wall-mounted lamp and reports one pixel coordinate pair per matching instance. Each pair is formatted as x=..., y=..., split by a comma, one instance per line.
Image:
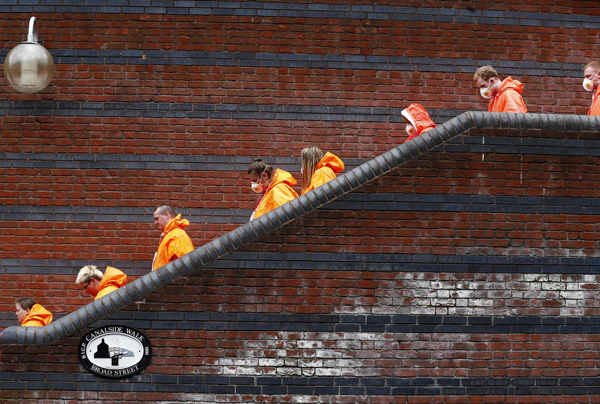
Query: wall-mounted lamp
x=29, y=66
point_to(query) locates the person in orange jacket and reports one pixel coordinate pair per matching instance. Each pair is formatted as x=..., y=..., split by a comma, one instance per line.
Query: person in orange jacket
x=417, y=121
x=31, y=314
x=174, y=241
x=99, y=284
x=592, y=83
x=318, y=167
x=275, y=186
x=504, y=96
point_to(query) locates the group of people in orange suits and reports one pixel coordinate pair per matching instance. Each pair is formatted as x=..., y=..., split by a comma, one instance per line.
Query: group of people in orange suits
x=275, y=185
x=504, y=96
x=174, y=243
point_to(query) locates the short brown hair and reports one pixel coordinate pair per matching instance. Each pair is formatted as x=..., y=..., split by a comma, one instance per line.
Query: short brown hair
x=594, y=65
x=26, y=303
x=485, y=73
x=165, y=208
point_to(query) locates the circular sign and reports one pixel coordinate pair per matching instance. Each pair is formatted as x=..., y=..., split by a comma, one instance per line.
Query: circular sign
x=114, y=351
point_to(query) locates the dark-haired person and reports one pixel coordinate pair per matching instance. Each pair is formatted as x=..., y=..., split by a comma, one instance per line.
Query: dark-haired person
x=591, y=72
x=31, y=314
x=504, y=95
x=174, y=241
x=318, y=167
x=98, y=284
x=274, y=185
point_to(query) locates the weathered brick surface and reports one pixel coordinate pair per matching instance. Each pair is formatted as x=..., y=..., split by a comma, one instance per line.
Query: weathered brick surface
x=466, y=276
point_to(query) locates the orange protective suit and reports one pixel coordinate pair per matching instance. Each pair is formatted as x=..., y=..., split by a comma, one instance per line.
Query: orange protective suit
x=112, y=280
x=325, y=171
x=508, y=99
x=279, y=192
x=38, y=316
x=595, y=107
x=419, y=118
x=174, y=243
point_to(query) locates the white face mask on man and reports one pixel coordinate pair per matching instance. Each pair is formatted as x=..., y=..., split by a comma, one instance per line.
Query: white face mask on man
x=410, y=130
x=588, y=85
x=486, y=92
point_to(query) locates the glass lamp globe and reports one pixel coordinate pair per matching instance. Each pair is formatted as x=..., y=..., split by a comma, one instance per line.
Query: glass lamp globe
x=29, y=67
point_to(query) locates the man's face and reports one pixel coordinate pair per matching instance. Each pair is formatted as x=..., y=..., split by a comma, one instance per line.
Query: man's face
x=481, y=83
x=92, y=287
x=161, y=220
x=592, y=74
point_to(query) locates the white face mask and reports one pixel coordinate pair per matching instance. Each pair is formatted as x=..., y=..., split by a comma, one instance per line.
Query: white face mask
x=410, y=130
x=588, y=85
x=256, y=188
x=486, y=92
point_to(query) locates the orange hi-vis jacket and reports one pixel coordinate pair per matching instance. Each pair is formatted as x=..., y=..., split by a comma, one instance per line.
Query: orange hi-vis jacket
x=325, y=171
x=595, y=107
x=174, y=243
x=508, y=99
x=419, y=118
x=38, y=316
x=112, y=280
x=279, y=193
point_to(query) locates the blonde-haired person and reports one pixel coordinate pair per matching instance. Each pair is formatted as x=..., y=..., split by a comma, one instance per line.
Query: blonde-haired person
x=99, y=284
x=591, y=82
x=504, y=95
x=318, y=167
x=275, y=186
x=31, y=314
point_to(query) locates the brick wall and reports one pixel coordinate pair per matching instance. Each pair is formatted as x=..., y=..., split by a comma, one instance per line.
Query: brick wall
x=469, y=275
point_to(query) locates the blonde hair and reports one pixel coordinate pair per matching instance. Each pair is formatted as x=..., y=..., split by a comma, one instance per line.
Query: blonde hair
x=310, y=158
x=594, y=65
x=87, y=273
x=485, y=73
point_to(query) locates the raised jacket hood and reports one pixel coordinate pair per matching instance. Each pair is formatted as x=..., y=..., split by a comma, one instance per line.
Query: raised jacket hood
x=177, y=222
x=419, y=118
x=112, y=280
x=324, y=171
x=510, y=84
x=508, y=98
x=331, y=161
x=278, y=193
x=281, y=177
x=38, y=317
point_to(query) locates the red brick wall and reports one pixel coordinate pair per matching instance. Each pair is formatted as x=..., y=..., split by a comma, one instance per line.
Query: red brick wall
x=431, y=256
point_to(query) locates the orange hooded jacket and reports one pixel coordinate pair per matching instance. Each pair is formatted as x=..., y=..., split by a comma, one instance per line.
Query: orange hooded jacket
x=325, y=171
x=595, y=107
x=279, y=192
x=174, y=243
x=38, y=316
x=419, y=118
x=112, y=280
x=508, y=98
